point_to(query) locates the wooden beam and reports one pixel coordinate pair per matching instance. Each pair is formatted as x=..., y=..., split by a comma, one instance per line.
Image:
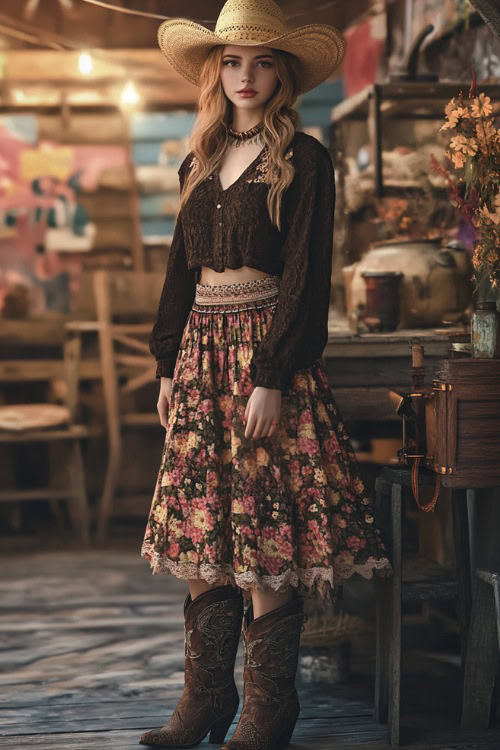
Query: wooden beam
x=39, y=65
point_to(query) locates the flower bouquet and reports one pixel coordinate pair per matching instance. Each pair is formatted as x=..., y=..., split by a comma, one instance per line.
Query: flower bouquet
x=474, y=151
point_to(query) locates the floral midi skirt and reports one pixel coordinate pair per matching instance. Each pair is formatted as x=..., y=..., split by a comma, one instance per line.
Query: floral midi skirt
x=265, y=513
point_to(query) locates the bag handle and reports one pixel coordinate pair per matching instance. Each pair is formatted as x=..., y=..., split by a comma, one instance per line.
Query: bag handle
x=414, y=485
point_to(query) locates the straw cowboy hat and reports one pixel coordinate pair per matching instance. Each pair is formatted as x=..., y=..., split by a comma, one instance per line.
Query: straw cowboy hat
x=319, y=48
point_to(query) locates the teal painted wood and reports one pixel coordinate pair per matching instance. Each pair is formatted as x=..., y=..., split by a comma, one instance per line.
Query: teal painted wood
x=315, y=114
x=148, y=132
x=158, y=126
x=331, y=92
x=148, y=152
x=314, y=107
x=157, y=227
x=155, y=206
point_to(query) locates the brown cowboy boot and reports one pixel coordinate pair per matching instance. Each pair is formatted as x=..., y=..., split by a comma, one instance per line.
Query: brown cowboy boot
x=210, y=698
x=270, y=701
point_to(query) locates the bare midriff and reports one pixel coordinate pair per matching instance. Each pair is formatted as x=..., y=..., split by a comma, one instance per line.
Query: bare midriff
x=230, y=275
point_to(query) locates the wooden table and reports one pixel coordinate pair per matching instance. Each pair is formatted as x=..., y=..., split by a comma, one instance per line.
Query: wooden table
x=368, y=370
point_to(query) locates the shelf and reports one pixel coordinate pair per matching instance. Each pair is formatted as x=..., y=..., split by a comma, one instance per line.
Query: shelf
x=410, y=101
x=427, y=96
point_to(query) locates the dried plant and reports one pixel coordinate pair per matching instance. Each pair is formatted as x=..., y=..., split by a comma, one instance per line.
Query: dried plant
x=327, y=630
x=415, y=215
x=474, y=152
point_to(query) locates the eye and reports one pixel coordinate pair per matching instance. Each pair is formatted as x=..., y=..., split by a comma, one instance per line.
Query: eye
x=226, y=62
x=266, y=63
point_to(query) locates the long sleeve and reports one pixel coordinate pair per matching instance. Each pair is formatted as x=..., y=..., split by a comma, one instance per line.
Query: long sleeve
x=175, y=302
x=298, y=331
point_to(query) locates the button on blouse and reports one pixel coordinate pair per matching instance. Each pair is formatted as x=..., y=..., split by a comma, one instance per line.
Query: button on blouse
x=240, y=233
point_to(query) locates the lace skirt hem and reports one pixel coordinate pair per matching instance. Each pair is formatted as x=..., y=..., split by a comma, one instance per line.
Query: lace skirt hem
x=319, y=583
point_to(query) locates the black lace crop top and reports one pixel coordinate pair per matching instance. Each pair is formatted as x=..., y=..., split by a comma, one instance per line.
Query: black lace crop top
x=232, y=228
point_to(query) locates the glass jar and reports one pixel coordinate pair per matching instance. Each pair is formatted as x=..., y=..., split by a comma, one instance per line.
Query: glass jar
x=485, y=330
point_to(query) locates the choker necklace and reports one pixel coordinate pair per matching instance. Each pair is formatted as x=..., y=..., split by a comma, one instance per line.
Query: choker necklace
x=252, y=135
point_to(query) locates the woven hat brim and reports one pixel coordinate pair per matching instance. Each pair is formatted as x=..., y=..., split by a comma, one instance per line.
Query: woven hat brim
x=319, y=48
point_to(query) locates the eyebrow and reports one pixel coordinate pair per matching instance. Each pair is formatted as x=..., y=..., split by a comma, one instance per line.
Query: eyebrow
x=256, y=57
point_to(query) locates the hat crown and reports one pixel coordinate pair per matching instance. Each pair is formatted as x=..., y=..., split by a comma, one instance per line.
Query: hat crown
x=250, y=21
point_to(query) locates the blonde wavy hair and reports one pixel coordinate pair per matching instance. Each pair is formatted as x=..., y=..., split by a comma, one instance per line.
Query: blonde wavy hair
x=209, y=138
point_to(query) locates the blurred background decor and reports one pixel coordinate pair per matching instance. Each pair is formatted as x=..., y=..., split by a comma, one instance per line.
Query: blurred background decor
x=93, y=127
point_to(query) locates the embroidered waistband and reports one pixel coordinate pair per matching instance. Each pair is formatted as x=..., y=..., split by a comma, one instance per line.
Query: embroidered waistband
x=243, y=291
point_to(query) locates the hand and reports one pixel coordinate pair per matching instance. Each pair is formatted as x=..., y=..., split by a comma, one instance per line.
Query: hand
x=164, y=400
x=263, y=408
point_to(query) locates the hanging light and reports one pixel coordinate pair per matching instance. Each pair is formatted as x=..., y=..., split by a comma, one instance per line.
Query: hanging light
x=85, y=64
x=129, y=96
x=31, y=7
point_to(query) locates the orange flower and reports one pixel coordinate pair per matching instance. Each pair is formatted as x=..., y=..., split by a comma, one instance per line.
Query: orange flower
x=481, y=106
x=458, y=159
x=450, y=107
x=460, y=113
x=486, y=133
x=467, y=145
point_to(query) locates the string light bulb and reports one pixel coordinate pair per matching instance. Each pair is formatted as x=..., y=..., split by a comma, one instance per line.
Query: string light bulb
x=129, y=96
x=85, y=64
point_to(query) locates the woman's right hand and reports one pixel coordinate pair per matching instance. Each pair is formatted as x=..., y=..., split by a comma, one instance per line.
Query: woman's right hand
x=164, y=400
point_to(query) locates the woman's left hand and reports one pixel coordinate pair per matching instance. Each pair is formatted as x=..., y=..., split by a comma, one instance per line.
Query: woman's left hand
x=263, y=408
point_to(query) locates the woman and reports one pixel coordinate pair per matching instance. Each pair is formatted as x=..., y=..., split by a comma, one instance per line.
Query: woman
x=258, y=494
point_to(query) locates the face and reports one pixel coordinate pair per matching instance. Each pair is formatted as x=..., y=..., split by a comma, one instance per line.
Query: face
x=248, y=68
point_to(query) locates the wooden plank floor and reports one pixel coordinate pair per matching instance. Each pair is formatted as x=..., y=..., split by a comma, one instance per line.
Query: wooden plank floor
x=93, y=653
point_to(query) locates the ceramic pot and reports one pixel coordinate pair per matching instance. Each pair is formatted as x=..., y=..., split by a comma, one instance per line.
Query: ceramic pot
x=436, y=279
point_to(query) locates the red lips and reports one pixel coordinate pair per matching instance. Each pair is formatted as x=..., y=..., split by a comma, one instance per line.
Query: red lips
x=246, y=91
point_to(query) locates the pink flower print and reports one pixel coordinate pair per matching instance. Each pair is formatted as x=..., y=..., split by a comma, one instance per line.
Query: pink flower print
x=305, y=418
x=195, y=534
x=356, y=543
x=248, y=503
x=206, y=406
x=308, y=446
x=175, y=477
x=286, y=549
x=174, y=549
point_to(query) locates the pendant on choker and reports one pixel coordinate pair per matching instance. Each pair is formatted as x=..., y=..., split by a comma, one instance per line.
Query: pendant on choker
x=252, y=135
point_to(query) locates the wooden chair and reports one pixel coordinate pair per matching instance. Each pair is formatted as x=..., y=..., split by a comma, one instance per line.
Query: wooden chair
x=414, y=579
x=126, y=362
x=55, y=425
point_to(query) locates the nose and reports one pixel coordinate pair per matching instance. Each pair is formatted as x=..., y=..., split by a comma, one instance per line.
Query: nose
x=247, y=73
